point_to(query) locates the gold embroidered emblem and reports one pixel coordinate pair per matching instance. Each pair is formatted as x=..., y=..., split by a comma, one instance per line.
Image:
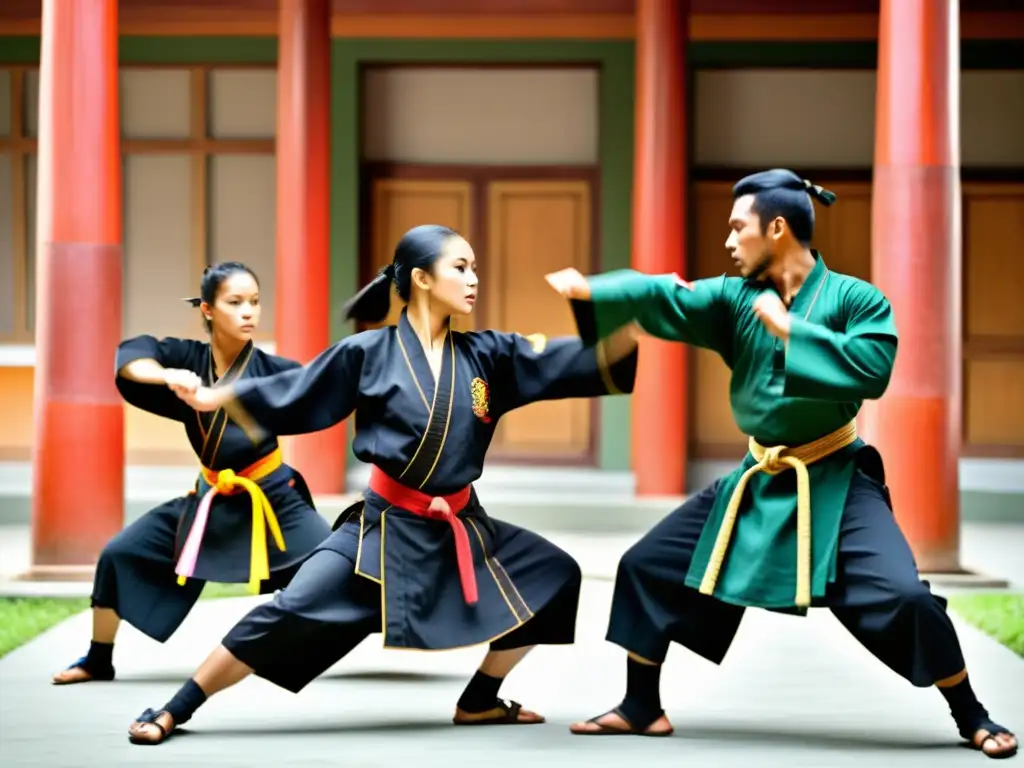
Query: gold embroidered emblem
x=481, y=399
x=538, y=341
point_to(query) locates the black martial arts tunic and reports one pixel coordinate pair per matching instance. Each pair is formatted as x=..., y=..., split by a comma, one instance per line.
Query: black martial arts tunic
x=136, y=574
x=431, y=437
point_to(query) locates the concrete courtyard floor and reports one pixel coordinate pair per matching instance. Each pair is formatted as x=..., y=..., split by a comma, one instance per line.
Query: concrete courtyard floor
x=793, y=692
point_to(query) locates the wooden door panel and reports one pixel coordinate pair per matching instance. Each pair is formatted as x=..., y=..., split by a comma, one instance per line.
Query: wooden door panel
x=534, y=227
x=713, y=433
x=400, y=204
x=842, y=233
x=994, y=406
x=993, y=217
x=993, y=320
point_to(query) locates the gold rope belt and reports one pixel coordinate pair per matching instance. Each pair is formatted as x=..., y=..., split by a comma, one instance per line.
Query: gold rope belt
x=226, y=482
x=774, y=460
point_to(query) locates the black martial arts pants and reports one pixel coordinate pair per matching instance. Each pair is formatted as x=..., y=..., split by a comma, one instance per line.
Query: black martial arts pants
x=328, y=609
x=878, y=594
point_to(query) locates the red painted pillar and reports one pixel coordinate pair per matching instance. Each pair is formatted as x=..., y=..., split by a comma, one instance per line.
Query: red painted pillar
x=660, y=433
x=78, y=450
x=916, y=262
x=303, y=217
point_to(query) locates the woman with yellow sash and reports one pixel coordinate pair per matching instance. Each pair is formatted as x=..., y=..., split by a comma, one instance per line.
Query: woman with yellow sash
x=805, y=519
x=249, y=519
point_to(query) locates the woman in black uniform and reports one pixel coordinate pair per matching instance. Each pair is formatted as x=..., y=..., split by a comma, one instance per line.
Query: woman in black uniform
x=250, y=517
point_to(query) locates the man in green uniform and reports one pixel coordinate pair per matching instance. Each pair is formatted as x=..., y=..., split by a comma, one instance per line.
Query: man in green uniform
x=806, y=346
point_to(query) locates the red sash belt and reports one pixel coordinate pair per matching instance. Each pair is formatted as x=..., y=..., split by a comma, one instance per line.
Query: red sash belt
x=436, y=508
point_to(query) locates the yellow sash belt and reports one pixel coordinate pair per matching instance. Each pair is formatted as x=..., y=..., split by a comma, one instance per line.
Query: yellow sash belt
x=773, y=461
x=225, y=482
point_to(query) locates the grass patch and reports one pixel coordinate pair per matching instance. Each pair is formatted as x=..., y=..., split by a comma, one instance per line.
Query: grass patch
x=214, y=591
x=23, y=618
x=998, y=615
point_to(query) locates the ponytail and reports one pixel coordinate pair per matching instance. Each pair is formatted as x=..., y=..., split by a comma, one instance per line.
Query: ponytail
x=372, y=303
x=824, y=196
x=419, y=248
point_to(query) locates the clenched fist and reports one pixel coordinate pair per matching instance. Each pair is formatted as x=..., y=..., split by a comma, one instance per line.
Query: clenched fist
x=769, y=309
x=569, y=283
x=206, y=398
x=182, y=382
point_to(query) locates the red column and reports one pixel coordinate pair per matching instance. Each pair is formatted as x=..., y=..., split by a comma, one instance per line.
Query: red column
x=660, y=433
x=78, y=450
x=916, y=262
x=303, y=217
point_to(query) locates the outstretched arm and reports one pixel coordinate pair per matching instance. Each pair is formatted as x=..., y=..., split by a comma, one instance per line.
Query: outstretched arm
x=528, y=369
x=292, y=402
x=664, y=306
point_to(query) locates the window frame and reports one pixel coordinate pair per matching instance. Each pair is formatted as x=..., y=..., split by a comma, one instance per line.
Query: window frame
x=200, y=145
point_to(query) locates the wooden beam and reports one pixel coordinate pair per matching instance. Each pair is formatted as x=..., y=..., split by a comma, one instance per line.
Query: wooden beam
x=994, y=348
x=578, y=26
x=28, y=145
x=704, y=27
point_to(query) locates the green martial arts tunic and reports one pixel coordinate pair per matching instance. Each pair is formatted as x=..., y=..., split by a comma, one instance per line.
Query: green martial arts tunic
x=840, y=352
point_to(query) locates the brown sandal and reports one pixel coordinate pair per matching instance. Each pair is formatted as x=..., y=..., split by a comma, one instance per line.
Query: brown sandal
x=603, y=729
x=970, y=728
x=508, y=715
x=991, y=736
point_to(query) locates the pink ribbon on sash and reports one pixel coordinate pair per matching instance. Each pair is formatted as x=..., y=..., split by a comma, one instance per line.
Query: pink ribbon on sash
x=227, y=482
x=190, y=552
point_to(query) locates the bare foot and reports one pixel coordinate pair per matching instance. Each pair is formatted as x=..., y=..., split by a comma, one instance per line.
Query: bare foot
x=995, y=745
x=70, y=676
x=500, y=715
x=614, y=724
x=140, y=732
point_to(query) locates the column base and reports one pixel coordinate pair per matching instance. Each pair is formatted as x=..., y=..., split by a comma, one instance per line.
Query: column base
x=59, y=573
x=964, y=579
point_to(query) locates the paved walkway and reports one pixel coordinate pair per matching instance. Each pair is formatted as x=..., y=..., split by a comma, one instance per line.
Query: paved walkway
x=798, y=693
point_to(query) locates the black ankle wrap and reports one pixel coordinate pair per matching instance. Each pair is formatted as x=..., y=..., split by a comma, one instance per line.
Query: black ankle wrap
x=100, y=657
x=481, y=693
x=642, y=705
x=186, y=701
x=964, y=706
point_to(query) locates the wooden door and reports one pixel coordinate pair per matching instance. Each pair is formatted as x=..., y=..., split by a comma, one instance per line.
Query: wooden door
x=713, y=432
x=842, y=233
x=397, y=205
x=993, y=320
x=534, y=227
